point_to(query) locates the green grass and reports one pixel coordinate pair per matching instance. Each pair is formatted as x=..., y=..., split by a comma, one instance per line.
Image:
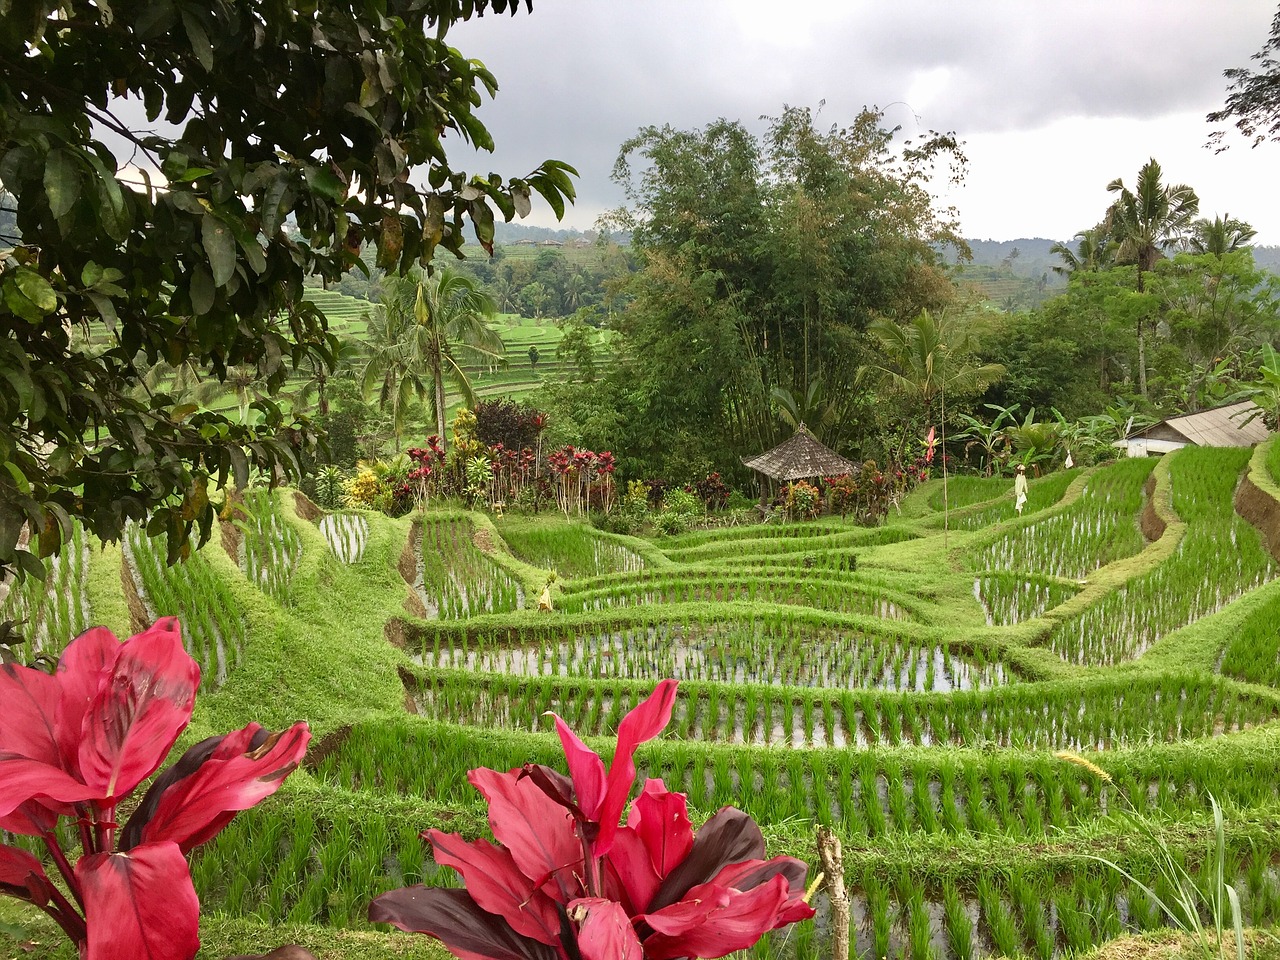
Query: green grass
x=908, y=692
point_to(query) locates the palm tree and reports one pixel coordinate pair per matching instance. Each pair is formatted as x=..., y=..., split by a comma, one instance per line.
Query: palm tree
x=1092, y=253
x=926, y=359
x=345, y=355
x=390, y=365
x=930, y=357
x=1144, y=224
x=1221, y=235
x=451, y=311
x=416, y=329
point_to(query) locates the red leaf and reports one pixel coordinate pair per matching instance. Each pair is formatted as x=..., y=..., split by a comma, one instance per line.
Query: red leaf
x=84, y=667
x=729, y=837
x=31, y=819
x=661, y=818
x=22, y=780
x=30, y=699
x=139, y=904
x=646, y=721
x=605, y=931
x=537, y=831
x=200, y=794
x=497, y=885
x=628, y=872
x=17, y=868
x=139, y=712
x=586, y=768
x=453, y=918
x=713, y=921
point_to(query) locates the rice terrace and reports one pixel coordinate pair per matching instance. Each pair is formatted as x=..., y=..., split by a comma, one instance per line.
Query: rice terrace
x=702, y=546
x=978, y=714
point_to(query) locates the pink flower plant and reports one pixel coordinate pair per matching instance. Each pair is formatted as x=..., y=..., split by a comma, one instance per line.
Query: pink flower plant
x=76, y=743
x=568, y=881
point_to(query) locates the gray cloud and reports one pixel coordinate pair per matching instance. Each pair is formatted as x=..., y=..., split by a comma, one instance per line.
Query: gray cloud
x=578, y=77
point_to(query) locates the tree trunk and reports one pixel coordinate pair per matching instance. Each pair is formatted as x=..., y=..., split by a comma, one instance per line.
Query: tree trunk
x=437, y=385
x=1142, y=346
x=1142, y=363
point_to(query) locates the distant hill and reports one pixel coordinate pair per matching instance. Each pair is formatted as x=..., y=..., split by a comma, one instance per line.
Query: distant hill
x=1013, y=274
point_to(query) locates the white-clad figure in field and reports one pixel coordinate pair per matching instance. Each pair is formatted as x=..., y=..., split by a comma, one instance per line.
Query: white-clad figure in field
x=1020, y=489
x=1069, y=462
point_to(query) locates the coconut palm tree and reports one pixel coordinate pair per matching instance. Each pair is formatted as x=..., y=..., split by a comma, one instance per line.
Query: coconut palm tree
x=1145, y=223
x=926, y=359
x=390, y=365
x=1092, y=253
x=425, y=323
x=1221, y=235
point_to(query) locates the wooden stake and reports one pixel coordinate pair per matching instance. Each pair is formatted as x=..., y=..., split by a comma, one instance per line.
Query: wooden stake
x=832, y=860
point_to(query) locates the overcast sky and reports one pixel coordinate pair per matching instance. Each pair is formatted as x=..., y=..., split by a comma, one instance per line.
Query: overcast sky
x=1053, y=100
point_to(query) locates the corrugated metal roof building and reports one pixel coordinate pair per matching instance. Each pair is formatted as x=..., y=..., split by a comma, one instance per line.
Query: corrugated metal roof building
x=1235, y=425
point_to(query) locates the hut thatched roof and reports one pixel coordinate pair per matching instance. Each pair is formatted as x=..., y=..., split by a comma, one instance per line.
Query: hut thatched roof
x=799, y=458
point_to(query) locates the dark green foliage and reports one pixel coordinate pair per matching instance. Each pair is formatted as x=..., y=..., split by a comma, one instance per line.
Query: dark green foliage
x=204, y=272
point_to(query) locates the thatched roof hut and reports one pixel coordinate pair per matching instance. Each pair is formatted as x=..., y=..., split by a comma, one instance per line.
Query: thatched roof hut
x=799, y=458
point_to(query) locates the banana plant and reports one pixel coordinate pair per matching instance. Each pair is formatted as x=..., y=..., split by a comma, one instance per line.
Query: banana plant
x=989, y=438
x=1034, y=442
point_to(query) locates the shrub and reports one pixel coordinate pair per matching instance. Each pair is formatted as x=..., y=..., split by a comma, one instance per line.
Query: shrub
x=77, y=744
x=803, y=501
x=566, y=879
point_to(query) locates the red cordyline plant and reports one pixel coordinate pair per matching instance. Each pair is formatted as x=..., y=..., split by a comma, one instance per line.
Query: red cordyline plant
x=566, y=881
x=76, y=743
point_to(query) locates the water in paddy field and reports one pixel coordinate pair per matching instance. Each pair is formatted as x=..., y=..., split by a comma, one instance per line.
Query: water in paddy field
x=840, y=600
x=460, y=580
x=724, y=654
x=347, y=534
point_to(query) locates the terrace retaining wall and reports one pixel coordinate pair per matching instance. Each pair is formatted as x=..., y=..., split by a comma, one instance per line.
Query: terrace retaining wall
x=1153, y=525
x=1262, y=510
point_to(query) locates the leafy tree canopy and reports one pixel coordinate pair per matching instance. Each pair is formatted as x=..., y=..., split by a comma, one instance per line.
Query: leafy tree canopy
x=176, y=170
x=1253, y=96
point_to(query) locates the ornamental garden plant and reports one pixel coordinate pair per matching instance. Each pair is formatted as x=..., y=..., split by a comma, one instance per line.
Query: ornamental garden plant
x=76, y=744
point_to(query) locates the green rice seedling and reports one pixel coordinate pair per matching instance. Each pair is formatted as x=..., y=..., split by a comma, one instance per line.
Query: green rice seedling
x=49, y=613
x=1029, y=900
x=1009, y=598
x=1042, y=493
x=455, y=579
x=877, y=897
x=1073, y=923
x=1219, y=558
x=1098, y=528
x=1001, y=927
x=572, y=550
x=959, y=927
x=899, y=814
x=347, y=534
x=213, y=627
x=269, y=547
x=926, y=818
x=919, y=929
